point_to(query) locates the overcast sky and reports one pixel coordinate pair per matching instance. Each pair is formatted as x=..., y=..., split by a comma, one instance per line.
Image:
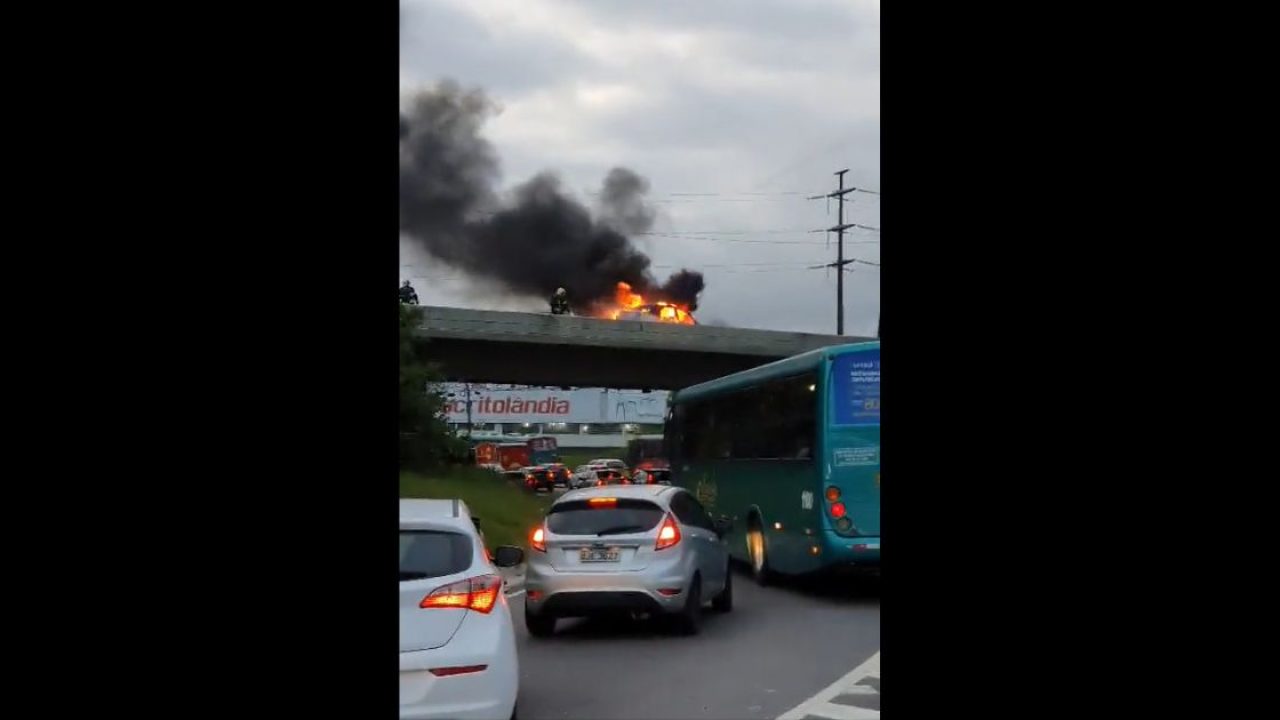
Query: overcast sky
x=734, y=111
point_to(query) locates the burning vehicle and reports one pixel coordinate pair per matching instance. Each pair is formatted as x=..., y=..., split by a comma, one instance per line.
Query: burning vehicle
x=629, y=305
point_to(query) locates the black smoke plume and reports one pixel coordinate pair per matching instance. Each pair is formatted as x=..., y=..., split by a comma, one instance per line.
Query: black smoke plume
x=538, y=238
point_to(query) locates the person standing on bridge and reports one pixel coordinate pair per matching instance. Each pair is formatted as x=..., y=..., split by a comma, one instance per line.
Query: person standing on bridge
x=407, y=295
x=560, y=302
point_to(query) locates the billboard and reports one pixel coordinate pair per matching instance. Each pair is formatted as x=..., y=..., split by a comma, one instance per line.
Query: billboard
x=544, y=405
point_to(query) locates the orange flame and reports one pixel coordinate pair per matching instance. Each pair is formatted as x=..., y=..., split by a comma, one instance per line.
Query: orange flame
x=627, y=301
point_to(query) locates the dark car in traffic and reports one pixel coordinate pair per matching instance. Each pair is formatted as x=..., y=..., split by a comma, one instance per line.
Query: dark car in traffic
x=651, y=476
x=538, y=477
x=560, y=474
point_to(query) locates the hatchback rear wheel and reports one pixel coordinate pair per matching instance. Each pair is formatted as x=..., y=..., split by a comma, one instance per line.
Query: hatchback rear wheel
x=539, y=625
x=690, y=617
x=724, y=601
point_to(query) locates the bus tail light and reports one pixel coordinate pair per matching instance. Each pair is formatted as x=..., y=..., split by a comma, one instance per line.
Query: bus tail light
x=833, y=493
x=838, y=510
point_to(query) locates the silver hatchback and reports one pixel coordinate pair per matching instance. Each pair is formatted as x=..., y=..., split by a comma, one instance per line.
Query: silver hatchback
x=640, y=548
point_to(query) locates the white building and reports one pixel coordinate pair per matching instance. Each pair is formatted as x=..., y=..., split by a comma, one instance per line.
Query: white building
x=578, y=417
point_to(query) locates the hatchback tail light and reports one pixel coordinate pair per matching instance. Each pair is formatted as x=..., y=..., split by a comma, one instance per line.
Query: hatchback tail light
x=479, y=593
x=669, y=535
x=538, y=540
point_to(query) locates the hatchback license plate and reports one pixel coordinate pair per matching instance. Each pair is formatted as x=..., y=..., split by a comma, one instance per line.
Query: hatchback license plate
x=588, y=555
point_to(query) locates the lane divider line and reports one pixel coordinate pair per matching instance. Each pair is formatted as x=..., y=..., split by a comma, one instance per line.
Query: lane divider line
x=820, y=705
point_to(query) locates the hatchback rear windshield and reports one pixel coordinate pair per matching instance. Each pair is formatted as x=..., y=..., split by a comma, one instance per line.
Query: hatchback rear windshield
x=577, y=517
x=431, y=553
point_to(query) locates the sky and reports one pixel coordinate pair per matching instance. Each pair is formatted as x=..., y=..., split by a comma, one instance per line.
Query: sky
x=734, y=111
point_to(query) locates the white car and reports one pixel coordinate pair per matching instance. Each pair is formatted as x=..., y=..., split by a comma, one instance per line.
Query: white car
x=610, y=463
x=584, y=476
x=457, y=644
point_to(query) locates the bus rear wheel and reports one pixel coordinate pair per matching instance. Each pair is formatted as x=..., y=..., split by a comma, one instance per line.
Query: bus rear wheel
x=756, y=548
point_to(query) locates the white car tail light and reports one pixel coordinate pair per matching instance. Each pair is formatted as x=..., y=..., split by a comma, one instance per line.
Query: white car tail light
x=478, y=593
x=669, y=535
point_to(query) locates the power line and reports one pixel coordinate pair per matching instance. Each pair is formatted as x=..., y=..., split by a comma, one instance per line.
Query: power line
x=850, y=261
x=852, y=189
x=718, y=193
x=738, y=240
x=846, y=226
x=726, y=232
x=796, y=263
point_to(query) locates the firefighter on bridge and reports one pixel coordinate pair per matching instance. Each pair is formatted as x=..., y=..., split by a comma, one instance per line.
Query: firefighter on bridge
x=407, y=294
x=560, y=302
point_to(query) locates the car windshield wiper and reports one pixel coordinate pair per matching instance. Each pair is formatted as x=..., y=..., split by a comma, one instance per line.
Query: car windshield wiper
x=620, y=529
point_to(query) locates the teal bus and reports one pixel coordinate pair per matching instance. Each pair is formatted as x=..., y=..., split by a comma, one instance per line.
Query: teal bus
x=789, y=452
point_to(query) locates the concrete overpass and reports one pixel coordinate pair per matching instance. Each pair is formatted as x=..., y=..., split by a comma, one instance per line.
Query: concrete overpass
x=545, y=349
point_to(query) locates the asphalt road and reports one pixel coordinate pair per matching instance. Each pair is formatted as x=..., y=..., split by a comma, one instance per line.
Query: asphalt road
x=776, y=649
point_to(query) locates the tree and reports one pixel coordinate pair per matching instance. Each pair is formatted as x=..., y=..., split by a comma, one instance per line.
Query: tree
x=425, y=438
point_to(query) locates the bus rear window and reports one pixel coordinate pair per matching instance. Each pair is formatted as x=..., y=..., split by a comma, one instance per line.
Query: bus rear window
x=578, y=517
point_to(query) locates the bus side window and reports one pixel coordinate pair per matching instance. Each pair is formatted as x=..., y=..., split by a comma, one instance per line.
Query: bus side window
x=801, y=417
x=689, y=419
x=717, y=431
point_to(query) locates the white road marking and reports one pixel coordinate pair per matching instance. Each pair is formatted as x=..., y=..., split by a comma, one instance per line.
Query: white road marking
x=820, y=705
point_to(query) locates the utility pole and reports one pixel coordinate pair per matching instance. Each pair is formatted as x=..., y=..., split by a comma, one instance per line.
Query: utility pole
x=468, y=411
x=841, y=226
x=840, y=261
x=840, y=253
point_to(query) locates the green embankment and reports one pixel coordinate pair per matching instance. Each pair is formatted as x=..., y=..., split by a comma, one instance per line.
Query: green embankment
x=573, y=457
x=507, y=512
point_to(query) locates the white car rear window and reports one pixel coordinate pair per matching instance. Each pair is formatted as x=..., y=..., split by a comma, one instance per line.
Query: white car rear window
x=578, y=517
x=431, y=553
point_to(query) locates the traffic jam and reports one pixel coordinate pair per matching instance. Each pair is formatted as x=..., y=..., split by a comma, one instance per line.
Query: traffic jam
x=616, y=539
x=647, y=550
x=535, y=464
